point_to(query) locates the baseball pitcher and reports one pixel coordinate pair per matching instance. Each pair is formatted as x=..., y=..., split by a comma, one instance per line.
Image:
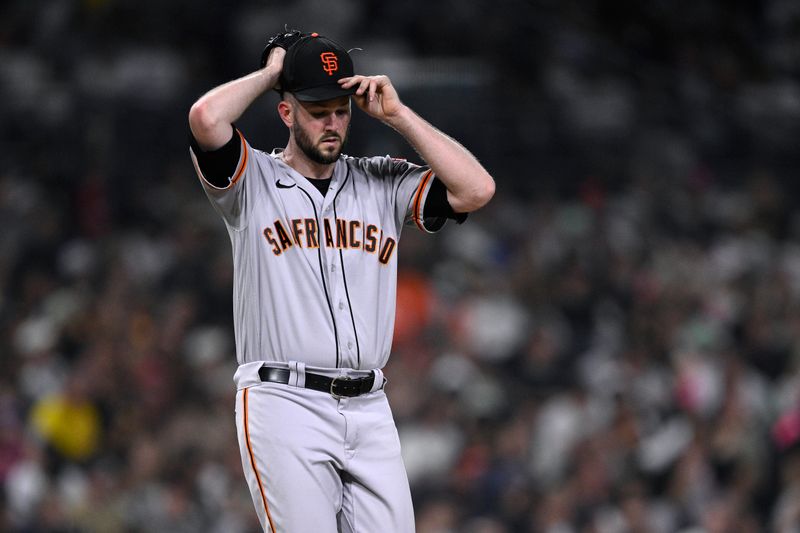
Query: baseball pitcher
x=314, y=236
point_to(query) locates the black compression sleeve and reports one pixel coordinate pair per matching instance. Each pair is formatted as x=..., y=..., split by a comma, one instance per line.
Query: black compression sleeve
x=218, y=165
x=436, y=204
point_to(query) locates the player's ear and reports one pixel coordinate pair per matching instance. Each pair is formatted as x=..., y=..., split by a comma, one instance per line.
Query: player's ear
x=285, y=112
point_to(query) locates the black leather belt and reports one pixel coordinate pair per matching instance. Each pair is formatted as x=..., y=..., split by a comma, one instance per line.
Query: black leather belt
x=337, y=387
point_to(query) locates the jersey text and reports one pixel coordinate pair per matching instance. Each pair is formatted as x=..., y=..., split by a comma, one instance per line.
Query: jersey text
x=348, y=235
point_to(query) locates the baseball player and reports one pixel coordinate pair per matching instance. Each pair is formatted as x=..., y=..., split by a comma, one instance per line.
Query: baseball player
x=314, y=236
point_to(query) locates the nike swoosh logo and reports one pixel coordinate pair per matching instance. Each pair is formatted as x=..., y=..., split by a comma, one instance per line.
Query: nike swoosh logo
x=283, y=185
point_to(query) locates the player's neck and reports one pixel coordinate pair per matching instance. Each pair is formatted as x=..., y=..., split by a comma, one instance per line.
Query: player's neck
x=295, y=158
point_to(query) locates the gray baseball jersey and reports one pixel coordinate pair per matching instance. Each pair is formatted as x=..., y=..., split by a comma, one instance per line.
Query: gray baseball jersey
x=314, y=288
x=315, y=277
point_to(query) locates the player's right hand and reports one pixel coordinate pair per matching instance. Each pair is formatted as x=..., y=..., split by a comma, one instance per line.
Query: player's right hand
x=283, y=40
x=274, y=60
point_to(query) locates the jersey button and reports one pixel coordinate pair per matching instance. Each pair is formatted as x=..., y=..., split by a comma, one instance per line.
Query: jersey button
x=341, y=306
x=333, y=268
x=349, y=345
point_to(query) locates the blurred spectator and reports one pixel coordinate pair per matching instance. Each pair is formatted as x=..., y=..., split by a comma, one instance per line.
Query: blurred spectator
x=69, y=422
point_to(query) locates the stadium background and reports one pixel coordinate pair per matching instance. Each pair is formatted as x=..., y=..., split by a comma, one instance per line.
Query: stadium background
x=612, y=345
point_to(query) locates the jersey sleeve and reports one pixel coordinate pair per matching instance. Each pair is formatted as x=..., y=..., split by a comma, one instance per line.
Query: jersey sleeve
x=437, y=204
x=218, y=165
x=231, y=196
x=408, y=186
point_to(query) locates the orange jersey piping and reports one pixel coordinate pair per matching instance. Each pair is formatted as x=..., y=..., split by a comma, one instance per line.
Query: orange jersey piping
x=239, y=169
x=242, y=161
x=417, y=211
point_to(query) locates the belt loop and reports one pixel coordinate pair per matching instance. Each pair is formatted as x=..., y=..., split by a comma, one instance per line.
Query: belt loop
x=378, y=382
x=297, y=374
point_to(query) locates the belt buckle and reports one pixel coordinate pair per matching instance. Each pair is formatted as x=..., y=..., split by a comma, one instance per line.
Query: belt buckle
x=333, y=386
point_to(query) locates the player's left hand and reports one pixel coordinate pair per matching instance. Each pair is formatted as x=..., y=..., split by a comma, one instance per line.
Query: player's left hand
x=375, y=95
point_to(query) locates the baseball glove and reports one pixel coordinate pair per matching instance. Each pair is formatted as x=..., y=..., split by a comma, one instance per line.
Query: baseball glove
x=284, y=39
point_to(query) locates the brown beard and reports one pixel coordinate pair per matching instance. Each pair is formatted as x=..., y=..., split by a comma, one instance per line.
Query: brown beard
x=303, y=140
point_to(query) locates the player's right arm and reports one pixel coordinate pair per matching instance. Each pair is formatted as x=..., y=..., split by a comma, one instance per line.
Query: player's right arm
x=211, y=117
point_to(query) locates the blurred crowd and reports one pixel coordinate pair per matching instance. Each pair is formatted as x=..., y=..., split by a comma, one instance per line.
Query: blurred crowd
x=611, y=346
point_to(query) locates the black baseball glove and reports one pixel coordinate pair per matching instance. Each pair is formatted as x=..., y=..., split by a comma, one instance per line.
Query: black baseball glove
x=284, y=39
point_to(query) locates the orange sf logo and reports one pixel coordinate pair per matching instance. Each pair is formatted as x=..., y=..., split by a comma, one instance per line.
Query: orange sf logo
x=330, y=63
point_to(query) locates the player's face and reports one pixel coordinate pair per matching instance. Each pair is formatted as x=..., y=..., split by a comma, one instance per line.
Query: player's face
x=320, y=128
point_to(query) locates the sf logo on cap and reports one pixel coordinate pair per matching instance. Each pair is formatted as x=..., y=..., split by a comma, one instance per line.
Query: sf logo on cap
x=330, y=63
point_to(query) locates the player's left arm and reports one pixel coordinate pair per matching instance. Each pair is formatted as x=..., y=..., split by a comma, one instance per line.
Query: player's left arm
x=469, y=185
